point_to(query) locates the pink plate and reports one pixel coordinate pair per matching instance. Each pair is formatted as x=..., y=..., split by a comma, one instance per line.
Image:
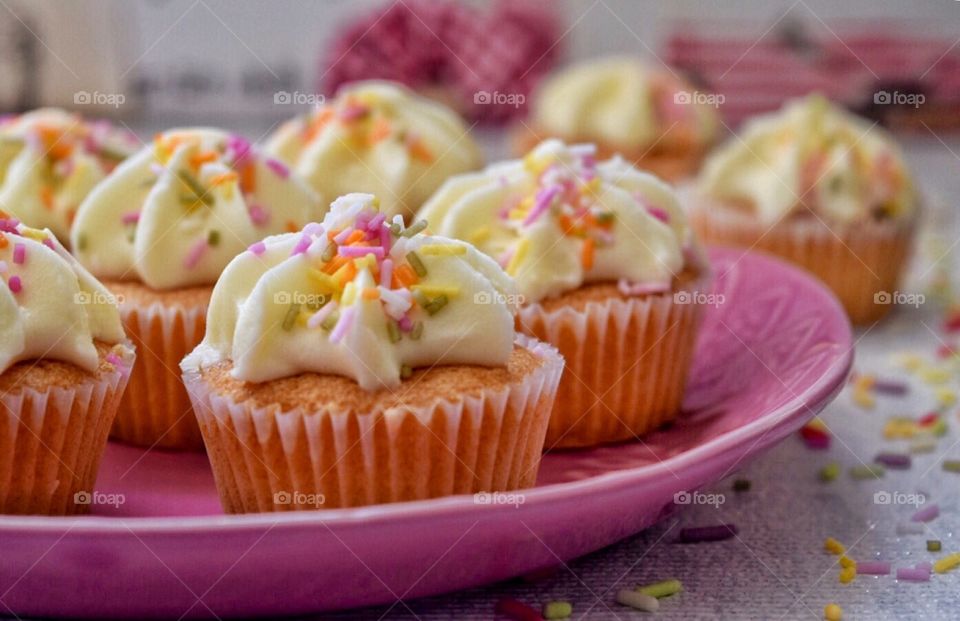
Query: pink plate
x=775, y=349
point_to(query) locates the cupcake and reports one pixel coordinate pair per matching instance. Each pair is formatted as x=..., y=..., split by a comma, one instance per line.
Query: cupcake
x=607, y=270
x=650, y=117
x=818, y=187
x=361, y=362
x=158, y=231
x=381, y=138
x=50, y=160
x=64, y=362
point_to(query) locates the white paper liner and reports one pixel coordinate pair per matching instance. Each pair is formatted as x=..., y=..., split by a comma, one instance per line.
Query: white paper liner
x=51, y=442
x=265, y=459
x=862, y=264
x=155, y=410
x=626, y=363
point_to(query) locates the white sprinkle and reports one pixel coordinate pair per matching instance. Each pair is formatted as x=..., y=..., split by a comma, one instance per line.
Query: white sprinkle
x=637, y=600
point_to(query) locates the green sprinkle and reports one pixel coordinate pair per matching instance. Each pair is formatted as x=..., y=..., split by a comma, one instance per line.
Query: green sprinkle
x=436, y=304
x=319, y=302
x=830, y=472
x=951, y=465
x=604, y=217
x=417, y=331
x=923, y=445
x=393, y=331
x=557, y=610
x=329, y=252
x=873, y=471
x=420, y=298
x=933, y=545
x=405, y=371
x=291, y=317
x=395, y=228
x=213, y=237
x=939, y=428
x=330, y=321
x=111, y=154
x=81, y=242
x=661, y=589
x=191, y=182
x=741, y=485
x=414, y=228
x=414, y=259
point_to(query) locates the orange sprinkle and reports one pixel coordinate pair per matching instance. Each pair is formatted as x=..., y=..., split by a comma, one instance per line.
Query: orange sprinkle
x=291, y=226
x=334, y=233
x=223, y=178
x=354, y=237
x=404, y=275
x=4, y=242
x=586, y=255
x=349, y=273
x=370, y=293
x=317, y=123
x=380, y=130
x=248, y=178
x=420, y=152
x=46, y=197
x=335, y=263
x=199, y=159
x=4, y=215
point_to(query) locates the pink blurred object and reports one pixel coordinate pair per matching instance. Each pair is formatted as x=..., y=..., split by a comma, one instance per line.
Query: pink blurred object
x=486, y=62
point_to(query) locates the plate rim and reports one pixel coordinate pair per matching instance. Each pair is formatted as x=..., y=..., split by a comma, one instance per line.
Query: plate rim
x=826, y=386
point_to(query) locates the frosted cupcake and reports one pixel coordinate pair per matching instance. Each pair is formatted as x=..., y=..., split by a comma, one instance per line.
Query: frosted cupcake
x=64, y=362
x=159, y=231
x=50, y=160
x=649, y=116
x=605, y=263
x=821, y=188
x=381, y=138
x=361, y=362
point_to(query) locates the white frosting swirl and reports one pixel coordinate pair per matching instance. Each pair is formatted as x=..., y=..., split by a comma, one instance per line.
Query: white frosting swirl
x=177, y=212
x=621, y=101
x=50, y=160
x=557, y=220
x=326, y=300
x=381, y=138
x=50, y=307
x=814, y=155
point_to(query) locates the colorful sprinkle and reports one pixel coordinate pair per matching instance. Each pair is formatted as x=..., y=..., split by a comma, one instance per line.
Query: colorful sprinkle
x=833, y=546
x=927, y=514
x=19, y=253
x=195, y=254
x=830, y=472
x=557, y=610
x=896, y=461
x=15, y=284
x=872, y=471
x=911, y=574
x=947, y=563
x=934, y=545
x=832, y=612
x=258, y=248
x=278, y=167
x=637, y=601
x=664, y=588
x=874, y=568
x=258, y=215
x=951, y=465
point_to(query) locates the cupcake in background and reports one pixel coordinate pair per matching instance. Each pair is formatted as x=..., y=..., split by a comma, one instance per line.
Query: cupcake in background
x=159, y=231
x=381, y=138
x=64, y=362
x=51, y=159
x=819, y=187
x=606, y=266
x=361, y=362
x=649, y=116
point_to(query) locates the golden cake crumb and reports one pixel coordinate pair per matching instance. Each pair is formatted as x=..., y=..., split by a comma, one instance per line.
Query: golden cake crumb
x=45, y=373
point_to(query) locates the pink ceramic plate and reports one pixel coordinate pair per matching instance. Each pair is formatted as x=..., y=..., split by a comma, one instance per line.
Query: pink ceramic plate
x=775, y=349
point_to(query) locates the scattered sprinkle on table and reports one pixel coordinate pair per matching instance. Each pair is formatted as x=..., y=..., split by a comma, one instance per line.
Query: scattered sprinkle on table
x=829, y=472
x=896, y=461
x=557, y=610
x=923, y=445
x=707, y=533
x=832, y=612
x=947, y=563
x=951, y=465
x=934, y=545
x=664, y=588
x=637, y=600
x=847, y=574
x=741, y=485
x=517, y=610
x=871, y=471
x=833, y=546
x=874, y=568
x=928, y=513
x=912, y=574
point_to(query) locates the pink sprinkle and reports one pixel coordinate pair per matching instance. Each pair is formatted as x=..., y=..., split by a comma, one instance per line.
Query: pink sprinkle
x=346, y=320
x=113, y=359
x=318, y=317
x=376, y=222
x=924, y=566
x=19, y=253
x=541, y=204
x=342, y=236
x=313, y=228
x=49, y=243
x=912, y=575
x=278, y=167
x=354, y=112
x=15, y=285
x=659, y=214
x=628, y=288
x=258, y=248
x=259, y=215
x=3, y=267
x=131, y=218
x=301, y=246
x=873, y=568
x=239, y=147
x=195, y=254
x=385, y=240
x=360, y=251
x=405, y=323
x=386, y=273
x=926, y=514
x=504, y=258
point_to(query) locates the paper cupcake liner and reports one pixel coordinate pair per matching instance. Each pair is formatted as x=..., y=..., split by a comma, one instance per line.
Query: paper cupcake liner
x=265, y=459
x=626, y=363
x=862, y=264
x=155, y=410
x=51, y=442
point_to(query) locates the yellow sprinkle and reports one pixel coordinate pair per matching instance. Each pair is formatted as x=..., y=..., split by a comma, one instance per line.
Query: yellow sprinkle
x=325, y=280
x=480, y=235
x=951, y=561
x=847, y=574
x=864, y=382
x=432, y=291
x=349, y=294
x=946, y=396
x=533, y=165
x=832, y=612
x=438, y=250
x=590, y=187
x=910, y=362
x=846, y=562
x=370, y=293
x=934, y=375
x=161, y=152
x=518, y=256
x=818, y=424
x=516, y=214
x=833, y=546
x=34, y=234
x=366, y=261
x=900, y=429
x=863, y=398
